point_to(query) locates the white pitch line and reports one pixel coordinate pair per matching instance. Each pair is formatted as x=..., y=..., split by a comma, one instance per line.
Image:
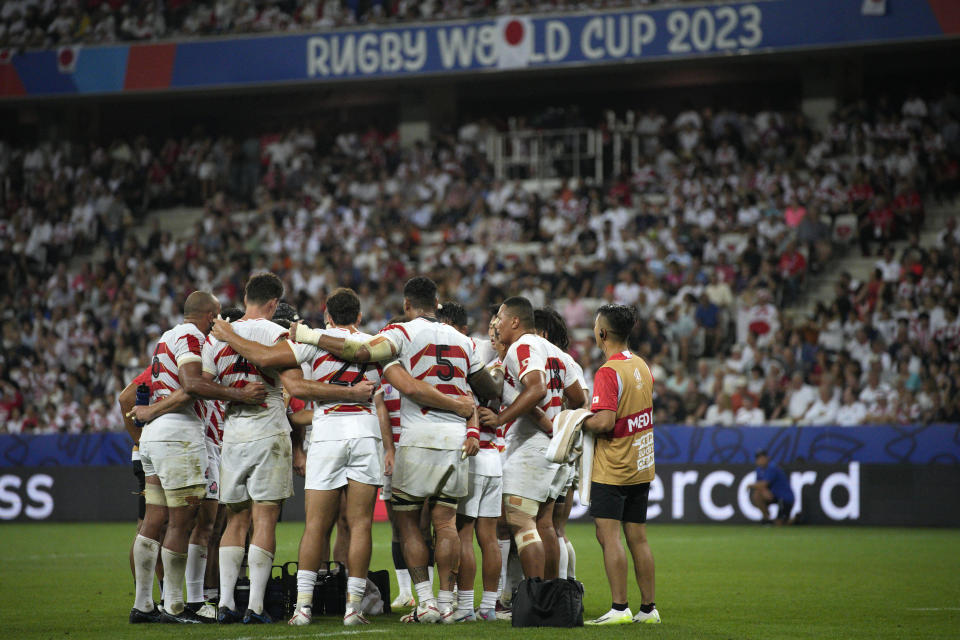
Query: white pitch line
x=325, y=635
x=933, y=608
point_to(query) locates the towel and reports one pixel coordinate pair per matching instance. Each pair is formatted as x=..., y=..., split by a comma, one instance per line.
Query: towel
x=566, y=434
x=586, y=467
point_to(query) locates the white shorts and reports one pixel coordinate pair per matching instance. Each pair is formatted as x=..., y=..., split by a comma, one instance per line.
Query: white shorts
x=425, y=473
x=573, y=480
x=330, y=463
x=559, y=485
x=176, y=464
x=212, y=475
x=259, y=470
x=527, y=472
x=484, y=497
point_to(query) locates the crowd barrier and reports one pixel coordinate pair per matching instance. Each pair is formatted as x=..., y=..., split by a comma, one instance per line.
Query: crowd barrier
x=881, y=475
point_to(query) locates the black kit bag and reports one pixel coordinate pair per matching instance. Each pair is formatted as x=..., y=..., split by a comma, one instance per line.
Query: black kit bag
x=330, y=594
x=548, y=603
x=279, y=597
x=382, y=580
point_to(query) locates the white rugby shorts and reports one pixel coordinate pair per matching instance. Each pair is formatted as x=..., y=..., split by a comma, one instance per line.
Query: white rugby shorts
x=258, y=470
x=426, y=473
x=330, y=463
x=484, y=497
x=526, y=471
x=177, y=464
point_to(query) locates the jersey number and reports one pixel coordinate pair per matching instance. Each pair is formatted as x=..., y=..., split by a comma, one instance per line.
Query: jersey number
x=242, y=366
x=448, y=370
x=338, y=376
x=556, y=379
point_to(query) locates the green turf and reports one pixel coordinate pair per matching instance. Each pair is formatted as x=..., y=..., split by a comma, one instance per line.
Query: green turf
x=72, y=581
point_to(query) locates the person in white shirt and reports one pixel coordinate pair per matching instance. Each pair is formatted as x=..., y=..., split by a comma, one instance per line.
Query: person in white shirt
x=750, y=415
x=852, y=412
x=719, y=413
x=798, y=398
x=823, y=411
x=174, y=458
x=539, y=371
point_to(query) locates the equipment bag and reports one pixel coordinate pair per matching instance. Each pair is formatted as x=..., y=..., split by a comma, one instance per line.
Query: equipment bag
x=548, y=603
x=382, y=580
x=279, y=597
x=330, y=594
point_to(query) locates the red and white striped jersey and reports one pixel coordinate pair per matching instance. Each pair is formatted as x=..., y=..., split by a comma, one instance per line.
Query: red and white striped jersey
x=353, y=420
x=247, y=422
x=576, y=371
x=214, y=412
x=178, y=346
x=533, y=353
x=391, y=398
x=441, y=356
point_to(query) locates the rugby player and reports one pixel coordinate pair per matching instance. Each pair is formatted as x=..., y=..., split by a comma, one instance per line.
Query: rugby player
x=551, y=325
x=480, y=509
x=257, y=453
x=174, y=458
x=538, y=371
x=430, y=461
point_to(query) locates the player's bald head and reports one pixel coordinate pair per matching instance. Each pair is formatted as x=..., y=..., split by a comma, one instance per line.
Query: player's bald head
x=199, y=303
x=520, y=308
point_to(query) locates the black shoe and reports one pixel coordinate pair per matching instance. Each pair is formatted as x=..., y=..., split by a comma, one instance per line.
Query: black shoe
x=184, y=617
x=257, y=618
x=228, y=616
x=140, y=617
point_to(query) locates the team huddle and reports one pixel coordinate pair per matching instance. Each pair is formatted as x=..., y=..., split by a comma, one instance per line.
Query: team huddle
x=453, y=431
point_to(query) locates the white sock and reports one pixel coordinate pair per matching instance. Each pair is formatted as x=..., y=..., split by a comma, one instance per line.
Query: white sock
x=514, y=576
x=306, y=581
x=174, y=568
x=355, y=590
x=444, y=599
x=425, y=593
x=504, y=557
x=210, y=595
x=196, y=566
x=230, y=560
x=488, y=600
x=465, y=600
x=144, y=564
x=563, y=558
x=571, y=560
x=430, y=574
x=403, y=581
x=261, y=562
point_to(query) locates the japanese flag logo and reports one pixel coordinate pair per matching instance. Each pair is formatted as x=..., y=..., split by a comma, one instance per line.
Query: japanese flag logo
x=514, y=42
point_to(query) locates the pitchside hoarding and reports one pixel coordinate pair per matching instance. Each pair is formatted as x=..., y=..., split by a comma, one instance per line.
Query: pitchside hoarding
x=467, y=47
x=853, y=493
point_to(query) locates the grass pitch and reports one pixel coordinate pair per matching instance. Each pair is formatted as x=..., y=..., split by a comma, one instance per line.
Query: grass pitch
x=69, y=581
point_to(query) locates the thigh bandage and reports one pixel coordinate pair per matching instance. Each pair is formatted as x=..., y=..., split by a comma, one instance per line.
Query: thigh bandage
x=404, y=502
x=525, y=538
x=153, y=494
x=186, y=496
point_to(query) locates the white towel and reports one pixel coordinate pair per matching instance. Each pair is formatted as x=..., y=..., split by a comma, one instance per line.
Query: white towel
x=586, y=467
x=566, y=434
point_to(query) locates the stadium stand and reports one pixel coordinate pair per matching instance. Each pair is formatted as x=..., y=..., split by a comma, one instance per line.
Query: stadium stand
x=32, y=24
x=711, y=221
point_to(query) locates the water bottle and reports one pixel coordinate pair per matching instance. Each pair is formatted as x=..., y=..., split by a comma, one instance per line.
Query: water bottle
x=143, y=399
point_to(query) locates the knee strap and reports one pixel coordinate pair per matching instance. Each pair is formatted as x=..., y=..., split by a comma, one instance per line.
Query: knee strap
x=526, y=538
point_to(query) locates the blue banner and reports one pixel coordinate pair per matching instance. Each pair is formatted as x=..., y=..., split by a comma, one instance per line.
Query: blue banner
x=922, y=444
x=674, y=444
x=493, y=44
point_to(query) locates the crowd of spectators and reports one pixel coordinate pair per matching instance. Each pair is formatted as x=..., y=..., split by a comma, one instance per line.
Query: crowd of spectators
x=48, y=23
x=711, y=236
